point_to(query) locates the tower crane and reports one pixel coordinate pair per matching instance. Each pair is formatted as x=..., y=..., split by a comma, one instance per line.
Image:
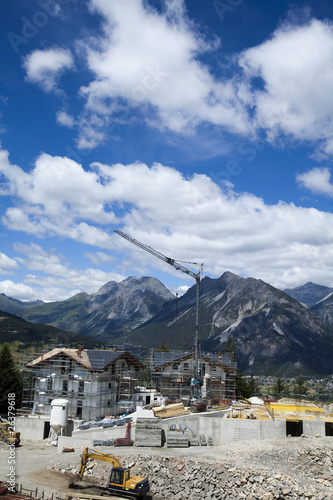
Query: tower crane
x=196, y=376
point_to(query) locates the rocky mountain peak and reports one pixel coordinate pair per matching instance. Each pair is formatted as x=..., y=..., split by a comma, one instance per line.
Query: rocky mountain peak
x=309, y=294
x=273, y=332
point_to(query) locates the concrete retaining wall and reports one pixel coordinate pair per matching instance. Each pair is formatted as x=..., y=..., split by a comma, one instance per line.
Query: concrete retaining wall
x=88, y=436
x=224, y=430
x=221, y=430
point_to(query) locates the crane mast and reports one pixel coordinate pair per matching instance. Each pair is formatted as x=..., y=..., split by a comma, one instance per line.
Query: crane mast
x=196, y=276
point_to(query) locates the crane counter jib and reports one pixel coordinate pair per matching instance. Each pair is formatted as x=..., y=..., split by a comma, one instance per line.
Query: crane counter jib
x=195, y=382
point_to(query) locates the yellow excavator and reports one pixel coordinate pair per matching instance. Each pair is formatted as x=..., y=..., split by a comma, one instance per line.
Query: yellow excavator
x=7, y=434
x=121, y=481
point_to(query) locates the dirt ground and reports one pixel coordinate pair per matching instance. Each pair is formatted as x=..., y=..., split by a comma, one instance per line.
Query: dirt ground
x=33, y=459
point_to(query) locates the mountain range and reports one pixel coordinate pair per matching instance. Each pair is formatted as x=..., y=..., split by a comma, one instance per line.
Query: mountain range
x=22, y=335
x=115, y=309
x=319, y=300
x=272, y=332
x=275, y=332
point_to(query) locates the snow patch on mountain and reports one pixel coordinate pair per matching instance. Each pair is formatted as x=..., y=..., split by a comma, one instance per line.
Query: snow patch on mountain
x=278, y=329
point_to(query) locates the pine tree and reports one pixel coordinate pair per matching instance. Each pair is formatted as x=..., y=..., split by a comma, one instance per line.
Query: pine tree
x=253, y=386
x=300, y=386
x=241, y=386
x=229, y=348
x=245, y=388
x=163, y=348
x=280, y=387
x=10, y=379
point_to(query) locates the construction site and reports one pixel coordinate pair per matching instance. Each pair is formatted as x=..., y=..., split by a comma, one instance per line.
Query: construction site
x=167, y=424
x=101, y=382
x=247, y=450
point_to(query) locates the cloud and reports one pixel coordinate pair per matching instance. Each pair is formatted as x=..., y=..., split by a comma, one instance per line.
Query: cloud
x=52, y=278
x=58, y=197
x=294, y=70
x=317, y=180
x=44, y=67
x=18, y=290
x=189, y=218
x=153, y=61
x=65, y=119
x=98, y=258
x=7, y=265
x=152, y=65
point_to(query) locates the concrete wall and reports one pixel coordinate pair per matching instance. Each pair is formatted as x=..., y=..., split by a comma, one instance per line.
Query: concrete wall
x=37, y=428
x=224, y=430
x=31, y=428
x=88, y=436
x=313, y=427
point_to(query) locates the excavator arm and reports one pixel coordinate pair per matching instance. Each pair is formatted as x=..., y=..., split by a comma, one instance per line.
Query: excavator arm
x=96, y=455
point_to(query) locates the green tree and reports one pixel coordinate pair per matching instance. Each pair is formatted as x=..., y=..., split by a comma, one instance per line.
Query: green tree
x=241, y=385
x=10, y=379
x=163, y=347
x=300, y=386
x=253, y=386
x=229, y=348
x=280, y=387
x=245, y=388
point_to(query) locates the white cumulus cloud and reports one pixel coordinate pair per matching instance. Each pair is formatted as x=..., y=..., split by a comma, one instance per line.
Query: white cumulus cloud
x=44, y=67
x=317, y=180
x=295, y=71
x=152, y=60
x=65, y=119
x=153, y=64
x=189, y=218
x=18, y=290
x=51, y=277
x=7, y=265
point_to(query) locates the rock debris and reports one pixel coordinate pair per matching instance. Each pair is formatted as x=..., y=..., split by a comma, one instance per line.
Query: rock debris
x=305, y=473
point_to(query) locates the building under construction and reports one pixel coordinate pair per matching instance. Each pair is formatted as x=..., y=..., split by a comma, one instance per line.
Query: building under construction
x=102, y=382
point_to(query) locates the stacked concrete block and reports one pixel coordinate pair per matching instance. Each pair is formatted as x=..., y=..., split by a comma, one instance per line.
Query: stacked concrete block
x=177, y=439
x=202, y=440
x=194, y=440
x=148, y=432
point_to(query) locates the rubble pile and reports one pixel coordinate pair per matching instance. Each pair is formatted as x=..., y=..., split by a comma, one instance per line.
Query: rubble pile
x=306, y=473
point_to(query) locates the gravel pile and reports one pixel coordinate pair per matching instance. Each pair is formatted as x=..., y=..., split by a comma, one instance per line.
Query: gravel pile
x=301, y=472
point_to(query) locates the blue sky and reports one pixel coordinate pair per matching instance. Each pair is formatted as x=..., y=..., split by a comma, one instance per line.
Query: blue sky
x=204, y=130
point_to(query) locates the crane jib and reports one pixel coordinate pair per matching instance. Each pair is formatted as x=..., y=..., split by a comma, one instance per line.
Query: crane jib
x=196, y=276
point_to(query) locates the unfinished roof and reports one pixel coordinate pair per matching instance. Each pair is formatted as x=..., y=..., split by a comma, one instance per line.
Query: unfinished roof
x=100, y=360
x=94, y=360
x=296, y=410
x=168, y=358
x=80, y=357
x=289, y=411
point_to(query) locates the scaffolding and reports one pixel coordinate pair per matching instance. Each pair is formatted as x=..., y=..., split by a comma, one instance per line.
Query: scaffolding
x=172, y=376
x=90, y=392
x=95, y=387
